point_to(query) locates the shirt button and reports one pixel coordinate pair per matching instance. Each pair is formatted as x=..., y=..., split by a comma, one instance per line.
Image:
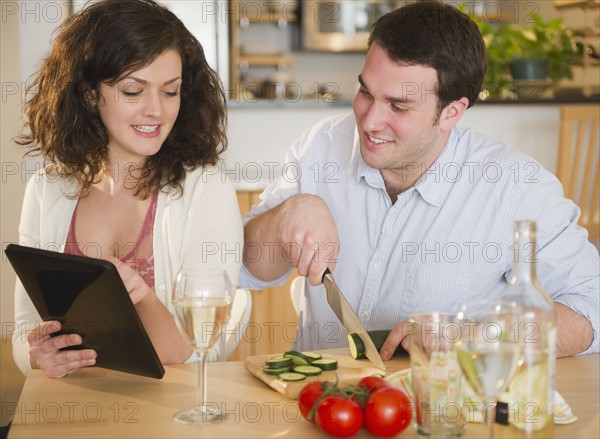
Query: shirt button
x=377, y=266
x=390, y=217
x=364, y=314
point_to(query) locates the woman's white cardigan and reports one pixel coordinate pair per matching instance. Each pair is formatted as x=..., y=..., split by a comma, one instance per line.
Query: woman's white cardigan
x=197, y=229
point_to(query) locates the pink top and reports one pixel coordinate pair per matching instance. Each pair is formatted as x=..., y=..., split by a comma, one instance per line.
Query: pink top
x=140, y=257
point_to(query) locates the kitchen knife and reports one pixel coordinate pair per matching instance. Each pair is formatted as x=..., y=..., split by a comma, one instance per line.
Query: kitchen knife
x=344, y=312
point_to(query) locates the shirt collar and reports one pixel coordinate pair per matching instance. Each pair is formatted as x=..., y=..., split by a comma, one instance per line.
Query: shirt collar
x=436, y=181
x=433, y=185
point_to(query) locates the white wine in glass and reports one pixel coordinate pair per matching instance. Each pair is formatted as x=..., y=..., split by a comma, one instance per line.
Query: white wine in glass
x=489, y=351
x=202, y=305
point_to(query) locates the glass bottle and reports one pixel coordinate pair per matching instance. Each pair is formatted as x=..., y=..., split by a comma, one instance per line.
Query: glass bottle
x=531, y=392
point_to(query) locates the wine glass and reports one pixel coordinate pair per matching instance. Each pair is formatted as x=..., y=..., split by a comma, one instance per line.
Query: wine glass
x=489, y=350
x=202, y=305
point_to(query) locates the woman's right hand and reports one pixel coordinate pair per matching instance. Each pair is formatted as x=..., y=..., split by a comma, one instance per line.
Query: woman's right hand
x=45, y=351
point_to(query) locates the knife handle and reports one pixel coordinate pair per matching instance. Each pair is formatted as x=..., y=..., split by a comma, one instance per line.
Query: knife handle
x=325, y=274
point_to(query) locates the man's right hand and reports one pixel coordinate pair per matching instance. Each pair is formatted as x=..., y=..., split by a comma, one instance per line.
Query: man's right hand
x=45, y=351
x=309, y=236
x=306, y=234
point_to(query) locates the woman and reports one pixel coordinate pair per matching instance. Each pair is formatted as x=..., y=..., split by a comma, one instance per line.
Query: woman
x=130, y=121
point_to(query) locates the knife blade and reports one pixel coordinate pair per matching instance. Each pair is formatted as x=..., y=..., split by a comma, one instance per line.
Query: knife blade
x=344, y=312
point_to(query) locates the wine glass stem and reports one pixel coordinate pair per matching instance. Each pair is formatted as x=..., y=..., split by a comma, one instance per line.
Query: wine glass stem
x=201, y=382
x=490, y=417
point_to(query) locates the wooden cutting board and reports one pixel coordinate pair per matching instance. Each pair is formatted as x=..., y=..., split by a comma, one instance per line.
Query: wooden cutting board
x=349, y=372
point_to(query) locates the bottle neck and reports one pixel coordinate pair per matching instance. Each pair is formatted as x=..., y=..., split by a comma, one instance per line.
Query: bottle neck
x=524, y=263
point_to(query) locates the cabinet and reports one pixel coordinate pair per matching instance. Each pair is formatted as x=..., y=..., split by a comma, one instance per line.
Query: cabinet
x=273, y=321
x=259, y=47
x=590, y=34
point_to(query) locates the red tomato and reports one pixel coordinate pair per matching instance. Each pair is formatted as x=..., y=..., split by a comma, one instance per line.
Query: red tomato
x=387, y=412
x=373, y=383
x=339, y=417
x=308, y=397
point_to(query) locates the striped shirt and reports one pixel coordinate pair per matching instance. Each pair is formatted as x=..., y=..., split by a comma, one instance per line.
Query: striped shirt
x=445, y=241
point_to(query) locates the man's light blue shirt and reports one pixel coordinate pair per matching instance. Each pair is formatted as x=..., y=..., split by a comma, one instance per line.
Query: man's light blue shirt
x=445, y=241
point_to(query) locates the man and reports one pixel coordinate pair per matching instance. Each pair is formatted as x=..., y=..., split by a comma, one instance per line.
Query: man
x=409, y=212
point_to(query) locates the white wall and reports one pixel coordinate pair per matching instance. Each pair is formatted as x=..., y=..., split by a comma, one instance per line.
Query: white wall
x=530, y=128
x=259, y=138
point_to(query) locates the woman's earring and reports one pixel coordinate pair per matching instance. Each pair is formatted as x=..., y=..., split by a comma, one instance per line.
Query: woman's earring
x=91, y=98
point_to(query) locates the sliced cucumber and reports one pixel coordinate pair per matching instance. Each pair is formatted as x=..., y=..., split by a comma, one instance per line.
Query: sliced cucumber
x=325, y=364
x=295, y=366
x=298, y=358
x=292, y=376
x=308, y=370
x=278, y=362
x=276, y=370
x=357, y=347
x=277, y=357
x=312, y=356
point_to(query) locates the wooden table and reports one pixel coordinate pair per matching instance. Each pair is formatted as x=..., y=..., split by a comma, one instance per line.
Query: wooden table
x=99, y=403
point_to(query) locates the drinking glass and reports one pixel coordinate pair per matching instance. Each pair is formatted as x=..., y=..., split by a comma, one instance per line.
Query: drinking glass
x=489, y=350
x=436, y=375
x=202, y=305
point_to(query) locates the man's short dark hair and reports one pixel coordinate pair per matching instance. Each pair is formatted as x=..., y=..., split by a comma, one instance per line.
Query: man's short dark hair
x=440, y=36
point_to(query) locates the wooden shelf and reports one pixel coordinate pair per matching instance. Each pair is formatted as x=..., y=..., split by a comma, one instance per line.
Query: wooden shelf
x=272, y=54
x=502, y=17
x=269, y=17
x=266, y=60
x=563, y=4
x=587, y=31
x=588, y=61
x=591, y=31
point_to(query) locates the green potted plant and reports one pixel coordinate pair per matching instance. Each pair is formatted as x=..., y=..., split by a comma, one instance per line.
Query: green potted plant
x=542, y=50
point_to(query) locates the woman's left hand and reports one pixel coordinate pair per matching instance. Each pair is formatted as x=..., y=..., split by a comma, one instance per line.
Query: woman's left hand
x=138, y=289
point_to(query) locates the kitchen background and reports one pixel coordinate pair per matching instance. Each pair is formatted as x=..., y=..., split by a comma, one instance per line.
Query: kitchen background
x=316, y=45
x=284, y=69
x=280, y=79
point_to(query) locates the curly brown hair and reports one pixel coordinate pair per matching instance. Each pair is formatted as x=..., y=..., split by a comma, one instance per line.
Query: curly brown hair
x=102, y=44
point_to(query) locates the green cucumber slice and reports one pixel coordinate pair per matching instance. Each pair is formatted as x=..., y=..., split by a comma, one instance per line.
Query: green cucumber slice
x=308, y=370
x=275, y=363
x=292, y=376
x=298, y=358
x=325, y=364
x=357, y=347
x=312, y=356
x=276, y=370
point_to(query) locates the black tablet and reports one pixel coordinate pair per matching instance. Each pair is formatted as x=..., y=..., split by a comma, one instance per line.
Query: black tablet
x=87, y=297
